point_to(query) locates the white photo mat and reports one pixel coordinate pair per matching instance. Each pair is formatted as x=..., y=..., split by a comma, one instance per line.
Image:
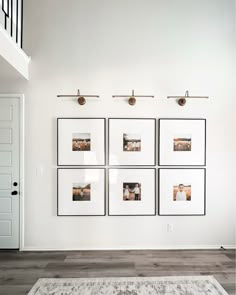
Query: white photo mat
x=144, y=130
x=76, y=127
x=146, y=177
x=69, y=177
x=170, y=129
x=170, y=178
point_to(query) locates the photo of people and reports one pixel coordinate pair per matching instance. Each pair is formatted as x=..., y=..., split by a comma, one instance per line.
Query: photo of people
x=131, y=142
x=132, y=191
x=182, y=143
x=81, y=192
x=182, y=192
x=81, y=142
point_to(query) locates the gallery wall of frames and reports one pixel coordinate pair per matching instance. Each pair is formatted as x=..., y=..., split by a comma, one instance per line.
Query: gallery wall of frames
x=131, y=166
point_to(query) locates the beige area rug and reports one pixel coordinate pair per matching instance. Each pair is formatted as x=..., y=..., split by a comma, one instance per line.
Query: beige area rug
x=196, y=285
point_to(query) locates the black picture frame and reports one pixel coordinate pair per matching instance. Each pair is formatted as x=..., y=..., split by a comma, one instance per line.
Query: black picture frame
x=155, y=190
x=155, y=143
x=159, y=141
x=105, y=140
x=84, y=215
x=159, y=188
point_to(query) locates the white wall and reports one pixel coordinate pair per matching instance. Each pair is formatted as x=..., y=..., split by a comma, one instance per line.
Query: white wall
x=160, y=47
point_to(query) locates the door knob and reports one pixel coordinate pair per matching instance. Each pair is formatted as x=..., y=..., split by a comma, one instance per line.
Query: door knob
x=15, y=183
x=14, y=193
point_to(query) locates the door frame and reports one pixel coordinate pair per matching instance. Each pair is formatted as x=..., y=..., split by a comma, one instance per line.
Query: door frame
x=21, y=159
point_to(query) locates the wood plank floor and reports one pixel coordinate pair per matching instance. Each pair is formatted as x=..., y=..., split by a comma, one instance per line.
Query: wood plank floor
x=20, y=270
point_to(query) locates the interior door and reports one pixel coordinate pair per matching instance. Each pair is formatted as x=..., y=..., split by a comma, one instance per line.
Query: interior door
x=9, y=173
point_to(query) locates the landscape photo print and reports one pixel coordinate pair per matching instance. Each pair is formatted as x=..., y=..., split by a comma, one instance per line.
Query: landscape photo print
x=131, y=142
x=182, y=143
x=81, y=192
x=81, y=141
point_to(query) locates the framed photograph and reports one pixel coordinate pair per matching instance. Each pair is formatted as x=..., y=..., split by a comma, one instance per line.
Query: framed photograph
x=132, y=142
x=182, y=191
x=81, y=141
x=132, y=191
x=81, y=192
x=182, y=142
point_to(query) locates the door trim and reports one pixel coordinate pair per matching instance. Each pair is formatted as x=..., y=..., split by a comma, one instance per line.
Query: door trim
x=22, y=161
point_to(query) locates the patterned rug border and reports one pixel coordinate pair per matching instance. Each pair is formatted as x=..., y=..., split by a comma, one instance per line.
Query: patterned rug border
x=123, y=279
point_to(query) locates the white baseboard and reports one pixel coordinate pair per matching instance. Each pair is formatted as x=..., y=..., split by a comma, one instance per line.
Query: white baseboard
x=179, y=247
